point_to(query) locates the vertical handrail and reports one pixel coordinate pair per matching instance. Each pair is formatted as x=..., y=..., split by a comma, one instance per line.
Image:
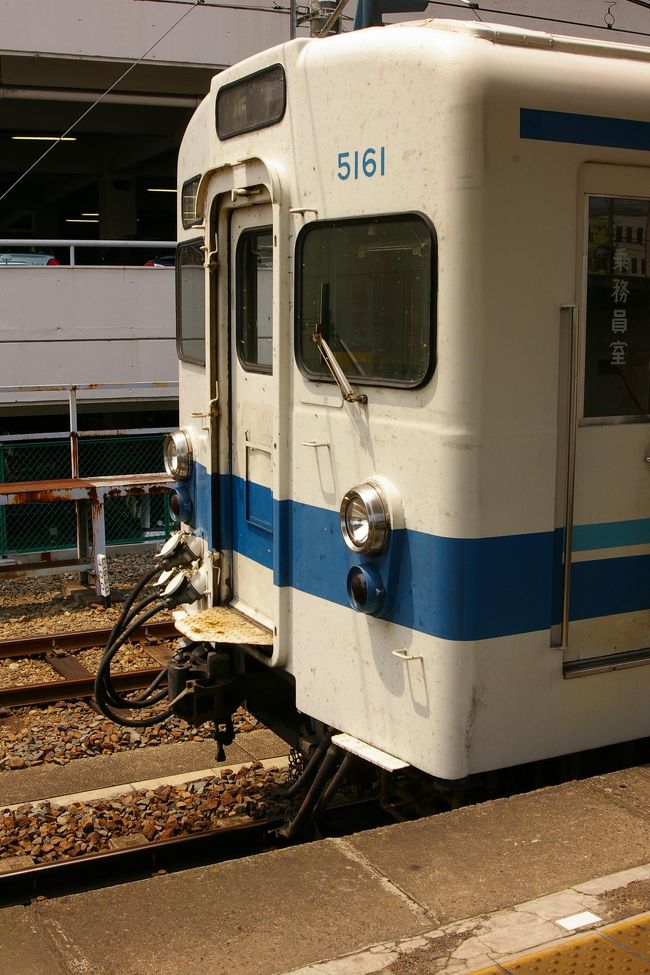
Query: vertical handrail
x=3, y=516
x=81, y=507
x=572, y=430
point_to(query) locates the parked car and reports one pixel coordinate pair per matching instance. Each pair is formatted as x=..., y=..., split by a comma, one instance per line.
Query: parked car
x=167, y=260
x=26, y=259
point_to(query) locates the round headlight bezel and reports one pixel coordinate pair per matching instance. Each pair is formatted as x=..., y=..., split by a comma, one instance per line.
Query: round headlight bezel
x=177, y=453
x=366, y=506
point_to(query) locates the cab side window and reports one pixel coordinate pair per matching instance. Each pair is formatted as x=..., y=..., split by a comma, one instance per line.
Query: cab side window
x=190, y=302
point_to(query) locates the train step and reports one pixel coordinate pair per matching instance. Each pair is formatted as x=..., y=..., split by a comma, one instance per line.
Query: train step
x=222, y=624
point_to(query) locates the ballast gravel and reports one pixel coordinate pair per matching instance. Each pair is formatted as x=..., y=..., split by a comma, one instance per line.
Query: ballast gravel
x=36, y=605
x=62, y=733
x=47, y=833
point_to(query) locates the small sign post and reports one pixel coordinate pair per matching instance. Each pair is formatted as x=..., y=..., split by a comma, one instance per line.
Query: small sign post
x=104, y=582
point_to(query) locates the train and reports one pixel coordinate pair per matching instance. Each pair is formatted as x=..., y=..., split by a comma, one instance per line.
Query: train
x=412, y=469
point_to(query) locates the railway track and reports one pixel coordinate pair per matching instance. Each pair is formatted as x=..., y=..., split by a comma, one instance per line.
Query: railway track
x=196, y=849
x=77, y=640
x=78, y=681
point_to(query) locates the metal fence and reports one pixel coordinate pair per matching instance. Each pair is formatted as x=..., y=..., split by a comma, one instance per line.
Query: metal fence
x=49, y=527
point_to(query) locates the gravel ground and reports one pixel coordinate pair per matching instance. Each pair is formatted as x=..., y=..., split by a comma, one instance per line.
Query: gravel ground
x=26, y=670
x=63, y=732
x=48, y=833
x=37, y=606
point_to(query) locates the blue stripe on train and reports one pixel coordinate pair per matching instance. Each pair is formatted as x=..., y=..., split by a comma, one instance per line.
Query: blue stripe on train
x=454, y=588
x=591, y=130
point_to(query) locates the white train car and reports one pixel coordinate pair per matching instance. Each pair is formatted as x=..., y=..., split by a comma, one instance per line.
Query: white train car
x=414, y=334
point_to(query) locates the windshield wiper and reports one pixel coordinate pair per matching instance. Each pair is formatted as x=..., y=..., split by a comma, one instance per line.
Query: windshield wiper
x=338, y=375
x=328, y=356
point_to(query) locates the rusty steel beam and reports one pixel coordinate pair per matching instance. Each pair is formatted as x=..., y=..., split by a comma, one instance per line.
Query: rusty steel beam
x=79, y=640
x=64, y=690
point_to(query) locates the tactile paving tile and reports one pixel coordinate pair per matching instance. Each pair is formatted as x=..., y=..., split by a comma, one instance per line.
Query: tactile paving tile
x=589, y=956
x=634, y=935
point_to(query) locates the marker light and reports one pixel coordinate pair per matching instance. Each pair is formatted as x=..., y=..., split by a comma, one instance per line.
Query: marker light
x=365, y=519
x=180, y=505
x=365, y=589
x=178, y=454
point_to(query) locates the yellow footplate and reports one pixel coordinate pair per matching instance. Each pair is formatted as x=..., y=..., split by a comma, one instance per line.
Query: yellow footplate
x=620, y=949
x=222, y=624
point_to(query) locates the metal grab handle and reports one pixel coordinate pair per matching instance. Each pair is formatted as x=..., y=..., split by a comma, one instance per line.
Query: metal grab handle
x=405, y=655
x=572, y=428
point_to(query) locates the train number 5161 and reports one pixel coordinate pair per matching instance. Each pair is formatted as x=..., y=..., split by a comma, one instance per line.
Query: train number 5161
x=362, y=162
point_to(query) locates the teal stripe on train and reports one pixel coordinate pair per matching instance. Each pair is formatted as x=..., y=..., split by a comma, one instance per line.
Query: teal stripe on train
x=613, y=534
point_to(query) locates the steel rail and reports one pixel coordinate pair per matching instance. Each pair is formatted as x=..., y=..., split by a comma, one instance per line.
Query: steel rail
x=77, y=640
x=71, y=688
x=193, y=850
x=131, y=863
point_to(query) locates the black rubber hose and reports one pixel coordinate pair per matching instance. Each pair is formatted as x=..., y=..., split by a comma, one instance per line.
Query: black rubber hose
x=325, y=770
x=103, y=676
x=309, y=770
x=106, y=696
x=333, y=784
x=130, y=599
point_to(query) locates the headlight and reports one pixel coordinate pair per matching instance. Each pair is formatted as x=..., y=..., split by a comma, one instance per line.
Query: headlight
x=178, y=454
x=365, y=519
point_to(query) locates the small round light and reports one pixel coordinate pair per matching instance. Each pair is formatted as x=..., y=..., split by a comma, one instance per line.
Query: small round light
x=175, y=505
x=366, y=590
x=178, y=454
x=181, y=508
x=365, y=519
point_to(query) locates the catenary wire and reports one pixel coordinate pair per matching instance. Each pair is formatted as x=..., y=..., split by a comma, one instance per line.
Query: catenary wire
x=83, y=115
x=277, y=8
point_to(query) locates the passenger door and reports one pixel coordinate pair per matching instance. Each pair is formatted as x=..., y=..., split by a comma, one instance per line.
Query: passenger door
x=610, y=558
x=252, y=399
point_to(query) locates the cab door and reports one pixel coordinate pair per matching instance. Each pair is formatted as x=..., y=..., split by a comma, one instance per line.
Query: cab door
x=251, y=421
x=609, y=616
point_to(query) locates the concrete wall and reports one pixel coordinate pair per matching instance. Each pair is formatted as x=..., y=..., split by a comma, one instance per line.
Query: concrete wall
x=124, y=29
x=86, y=325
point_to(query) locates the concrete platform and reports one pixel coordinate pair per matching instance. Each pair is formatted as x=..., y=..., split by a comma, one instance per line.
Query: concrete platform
x=102, y=771
x=453, y=893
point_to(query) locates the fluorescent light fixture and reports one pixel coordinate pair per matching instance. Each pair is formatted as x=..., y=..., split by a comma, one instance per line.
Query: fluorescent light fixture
x=80, y=220
x=89, y=214
x=44, y=138
x=154, y=189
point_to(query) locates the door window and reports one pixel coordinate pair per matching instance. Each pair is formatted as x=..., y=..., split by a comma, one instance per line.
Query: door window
x=255, y=300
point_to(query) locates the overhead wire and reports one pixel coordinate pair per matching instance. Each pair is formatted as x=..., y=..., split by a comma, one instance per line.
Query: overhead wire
x=53, y=145
x=279, y=9
x=485, y=9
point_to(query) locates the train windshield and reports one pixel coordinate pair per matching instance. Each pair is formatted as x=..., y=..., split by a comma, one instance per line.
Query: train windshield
x=367, y=286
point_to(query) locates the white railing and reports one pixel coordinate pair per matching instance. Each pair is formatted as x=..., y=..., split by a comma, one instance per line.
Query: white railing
x=59, y=243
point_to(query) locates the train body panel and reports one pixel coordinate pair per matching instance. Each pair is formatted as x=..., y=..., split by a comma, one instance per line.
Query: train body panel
x=474, y=262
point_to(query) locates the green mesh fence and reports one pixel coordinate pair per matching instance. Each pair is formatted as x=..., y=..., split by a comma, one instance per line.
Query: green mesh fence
x=46, y=527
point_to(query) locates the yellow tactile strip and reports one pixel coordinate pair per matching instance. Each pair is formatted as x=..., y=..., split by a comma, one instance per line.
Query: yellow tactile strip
x=620, y=949
x=633, y=935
